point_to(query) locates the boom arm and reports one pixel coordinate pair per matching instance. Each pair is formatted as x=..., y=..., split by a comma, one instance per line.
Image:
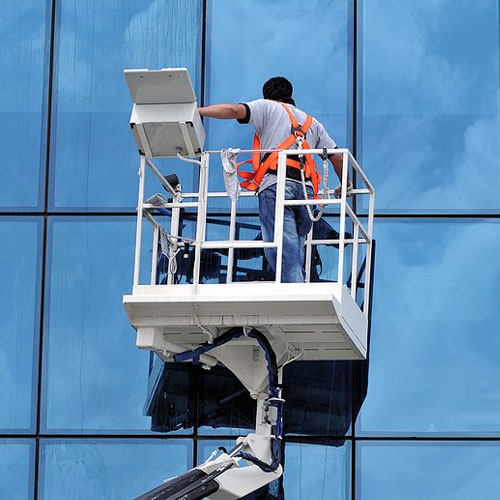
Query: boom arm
x=254, y=461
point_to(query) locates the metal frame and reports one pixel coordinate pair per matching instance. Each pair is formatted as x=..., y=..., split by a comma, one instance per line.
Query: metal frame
x=361, y=235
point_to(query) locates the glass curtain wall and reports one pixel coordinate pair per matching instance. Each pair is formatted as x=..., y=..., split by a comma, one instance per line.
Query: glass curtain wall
x=428, y=137
x=411, y=87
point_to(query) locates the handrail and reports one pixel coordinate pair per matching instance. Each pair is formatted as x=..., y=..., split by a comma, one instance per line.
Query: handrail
x=199, y=211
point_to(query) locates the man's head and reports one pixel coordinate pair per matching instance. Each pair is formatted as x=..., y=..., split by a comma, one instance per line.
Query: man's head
x=278, y=88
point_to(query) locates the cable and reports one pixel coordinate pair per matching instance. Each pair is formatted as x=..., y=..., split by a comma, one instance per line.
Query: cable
x=324, y=156
x=274, y=391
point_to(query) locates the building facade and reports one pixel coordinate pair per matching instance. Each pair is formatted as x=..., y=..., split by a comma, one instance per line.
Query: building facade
x=412, y=88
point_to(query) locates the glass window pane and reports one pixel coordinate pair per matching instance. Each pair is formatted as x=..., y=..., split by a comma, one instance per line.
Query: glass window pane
x=433, y=471
x=435, y=343
x=22, y=123
x=318, y=398
x=16, y=469
x=314, y=471
x=224, y=404
x=276, y=39
x=95, y=378
x=19, y=322
x=171, y=395
x=95, y=157
x=430, y=113
x=322, y=472
x=95, y=468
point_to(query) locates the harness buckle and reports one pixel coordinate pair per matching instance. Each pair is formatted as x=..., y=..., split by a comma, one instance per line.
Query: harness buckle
x=298, y=132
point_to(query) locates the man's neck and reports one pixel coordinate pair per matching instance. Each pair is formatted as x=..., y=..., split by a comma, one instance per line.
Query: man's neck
x=287, y=100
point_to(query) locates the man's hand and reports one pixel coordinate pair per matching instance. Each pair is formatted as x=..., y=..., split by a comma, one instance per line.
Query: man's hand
x=337, y=162
x=337, y=192
x=224, y=111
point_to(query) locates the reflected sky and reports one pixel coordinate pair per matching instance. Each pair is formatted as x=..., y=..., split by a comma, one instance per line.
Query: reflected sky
x=22, y=66
x=430, y=125
x=95, y=378
x=19, y=261
x=16, y=469
x=95, y=157
x=252, y=41
x=434, y=471
x=317, y=471
x=435, y=345
x=109, y=469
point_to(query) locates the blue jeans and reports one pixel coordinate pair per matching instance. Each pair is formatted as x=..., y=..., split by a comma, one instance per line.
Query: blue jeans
x=296, y=226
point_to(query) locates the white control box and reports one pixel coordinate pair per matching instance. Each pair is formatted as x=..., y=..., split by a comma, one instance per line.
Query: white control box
x=165, y=119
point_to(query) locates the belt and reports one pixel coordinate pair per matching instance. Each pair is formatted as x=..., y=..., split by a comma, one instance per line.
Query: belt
x=291, y=173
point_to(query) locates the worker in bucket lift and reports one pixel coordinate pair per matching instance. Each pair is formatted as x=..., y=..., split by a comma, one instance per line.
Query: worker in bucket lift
x=279, y=124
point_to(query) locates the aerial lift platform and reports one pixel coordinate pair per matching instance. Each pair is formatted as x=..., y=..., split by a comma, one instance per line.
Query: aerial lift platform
x=253, y=328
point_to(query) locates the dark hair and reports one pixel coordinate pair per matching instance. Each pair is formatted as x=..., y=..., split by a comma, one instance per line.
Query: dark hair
x=277, y=88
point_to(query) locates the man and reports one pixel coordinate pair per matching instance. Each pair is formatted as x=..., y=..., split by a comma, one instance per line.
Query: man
x=272, y=122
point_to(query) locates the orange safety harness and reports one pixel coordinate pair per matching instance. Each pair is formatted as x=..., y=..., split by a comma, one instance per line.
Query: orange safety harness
x=305, y=162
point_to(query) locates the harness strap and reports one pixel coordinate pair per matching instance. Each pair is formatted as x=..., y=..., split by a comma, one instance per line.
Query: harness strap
x=253, y=179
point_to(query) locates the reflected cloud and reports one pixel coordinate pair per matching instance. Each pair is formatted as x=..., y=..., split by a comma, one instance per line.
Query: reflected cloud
x=475, y=174
x=22, y=84
x=435, y=354
x=430, y=163
x=413, y=63
x=92, y=359
x=433, y=471
x=150, y=43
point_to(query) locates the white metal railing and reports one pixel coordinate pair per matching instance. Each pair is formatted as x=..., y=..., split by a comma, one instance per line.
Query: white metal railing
x=361, y=234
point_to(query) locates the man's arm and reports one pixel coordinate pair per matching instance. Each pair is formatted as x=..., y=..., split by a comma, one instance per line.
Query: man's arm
x=337, y=162
x=224, y=111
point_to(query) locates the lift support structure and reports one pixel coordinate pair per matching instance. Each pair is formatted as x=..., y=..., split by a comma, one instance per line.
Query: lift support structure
x=254, y=328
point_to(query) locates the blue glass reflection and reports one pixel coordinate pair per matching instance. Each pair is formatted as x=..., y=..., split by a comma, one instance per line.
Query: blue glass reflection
x=171, y=395
x=19, y=317
x=205, y=448
x=434, y=471
x=224, y=405
x=429, y=133
x=322, y=472
x=249, y=42
x=16, y=469
x=22, y=127
x=95, y=378
x=435, y=338
x=85, y=469
x=95, y=157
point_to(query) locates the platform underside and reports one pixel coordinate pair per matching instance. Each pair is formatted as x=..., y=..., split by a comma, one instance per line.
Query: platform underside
x=317, y=321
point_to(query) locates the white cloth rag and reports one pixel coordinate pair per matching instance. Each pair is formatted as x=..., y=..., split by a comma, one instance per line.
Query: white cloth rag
x=157, y=200
x=228, y=158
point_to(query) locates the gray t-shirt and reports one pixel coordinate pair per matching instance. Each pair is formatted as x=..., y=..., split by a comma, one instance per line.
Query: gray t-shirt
x=272, y=124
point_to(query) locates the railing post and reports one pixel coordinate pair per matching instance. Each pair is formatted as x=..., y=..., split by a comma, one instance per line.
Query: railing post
x=154, y=253
x=308, y=255
x=369, y=250
x=138, y=232
x=174, y=231
x=201, y=216
x=343, y=201
x=354, y=267
x=230, y=253
x=279, y=213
